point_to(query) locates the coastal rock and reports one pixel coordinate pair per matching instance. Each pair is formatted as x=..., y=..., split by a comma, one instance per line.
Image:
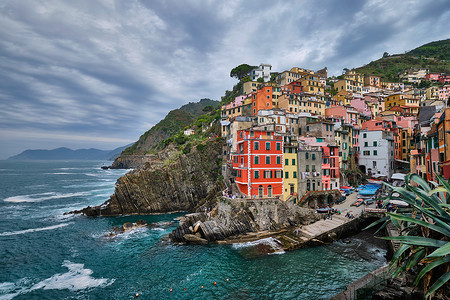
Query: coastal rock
x=126, y=227
x=193, y=239
x=233, y=219
x=180, y=183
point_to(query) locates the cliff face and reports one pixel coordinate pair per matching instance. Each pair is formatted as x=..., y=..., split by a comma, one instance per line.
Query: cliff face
x=180, y=183
x=172, y=123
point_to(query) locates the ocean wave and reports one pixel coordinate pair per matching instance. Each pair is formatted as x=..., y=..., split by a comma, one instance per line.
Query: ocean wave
x=7, y=233
x=60, y=173
x=42, y=197
x=76, y=279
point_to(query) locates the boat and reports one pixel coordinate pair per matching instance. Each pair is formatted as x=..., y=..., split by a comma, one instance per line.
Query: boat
x=323, y=210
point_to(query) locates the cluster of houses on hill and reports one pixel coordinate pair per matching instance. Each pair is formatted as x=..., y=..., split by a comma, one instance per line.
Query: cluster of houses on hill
x=286, y=136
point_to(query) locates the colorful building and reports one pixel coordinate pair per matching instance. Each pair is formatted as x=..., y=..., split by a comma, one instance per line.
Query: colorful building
x=258, y=163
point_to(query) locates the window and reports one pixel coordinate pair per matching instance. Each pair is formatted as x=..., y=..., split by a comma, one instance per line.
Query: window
x=295, y=175
x=306, y=155
x=286, y=162
x=256, y=160
x=313, y=156
x=307, y=168
x=313, y=168
x=374, y=143
x=307, y=128
x=364, y=135
x=267, y=174
x=293, y=161
x=256, y=145
x=366, y=152
x=375, y=152
x=278, y=160
x=267, y=160
x=366, y=144
x=374, y=164
x=278, y=174
x=278, y=146
x=256, y=174
x=286, y=175
x=267, y=145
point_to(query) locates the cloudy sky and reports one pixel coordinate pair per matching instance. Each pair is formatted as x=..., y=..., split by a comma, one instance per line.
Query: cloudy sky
x=100, y=73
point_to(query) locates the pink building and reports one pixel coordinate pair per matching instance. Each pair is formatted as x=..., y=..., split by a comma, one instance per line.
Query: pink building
x=432, y=76
x=444, y=92
x=238, y=101
x=360, y=105
x=349, y=114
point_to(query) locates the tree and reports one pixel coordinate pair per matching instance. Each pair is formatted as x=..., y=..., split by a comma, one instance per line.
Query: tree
x=345, y=70
x=385, y=54
x=424, y=233
x=241, y=71
x=208, y=108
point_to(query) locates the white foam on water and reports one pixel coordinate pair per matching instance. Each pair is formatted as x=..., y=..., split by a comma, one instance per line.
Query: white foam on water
x=59, y=173
x=270, y=241
x=8, y=233
x=76, y=279
x=158, y=229
x=43, y=197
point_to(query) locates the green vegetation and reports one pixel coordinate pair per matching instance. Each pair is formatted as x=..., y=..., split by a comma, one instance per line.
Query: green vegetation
x=424, y=233
x=241, y=71
x=174, y=122
x=438, y=50
x=435, y=56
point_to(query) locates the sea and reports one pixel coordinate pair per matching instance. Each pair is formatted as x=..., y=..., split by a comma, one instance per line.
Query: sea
x=45, y=254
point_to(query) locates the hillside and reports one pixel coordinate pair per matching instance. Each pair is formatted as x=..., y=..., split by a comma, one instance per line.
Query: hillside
x=174, y=121
x=434, y=55
x=68, y=154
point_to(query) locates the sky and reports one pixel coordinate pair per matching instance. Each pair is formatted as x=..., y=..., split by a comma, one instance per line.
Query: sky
x=99, y=73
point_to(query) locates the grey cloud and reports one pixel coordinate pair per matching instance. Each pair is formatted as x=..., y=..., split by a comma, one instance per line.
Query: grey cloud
x=112, y=68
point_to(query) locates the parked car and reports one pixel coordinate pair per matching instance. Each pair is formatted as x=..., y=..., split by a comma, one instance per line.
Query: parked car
x=358, y=202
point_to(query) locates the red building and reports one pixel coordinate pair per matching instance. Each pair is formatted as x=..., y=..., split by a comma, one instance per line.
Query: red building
x=444, y=78
x=258, y=163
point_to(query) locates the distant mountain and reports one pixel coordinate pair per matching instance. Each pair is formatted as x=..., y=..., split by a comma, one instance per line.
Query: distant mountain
x=434, y=55
x=64, y=153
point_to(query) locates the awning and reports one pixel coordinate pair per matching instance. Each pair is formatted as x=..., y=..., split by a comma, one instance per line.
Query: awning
x=402, y=161
x=398, y=176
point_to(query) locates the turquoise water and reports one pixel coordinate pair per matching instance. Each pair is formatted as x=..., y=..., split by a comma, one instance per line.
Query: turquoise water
x=46, y=255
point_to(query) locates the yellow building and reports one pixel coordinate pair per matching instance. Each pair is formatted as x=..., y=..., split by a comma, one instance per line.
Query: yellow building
x=312, y=84
x=250, y=87
x=399, y=99
x=348, y=86
x=372, y=80
x=343, y=139
x=344, y=97
x=302, y=72
x=432, y=93
x=290, y=168
x=353, y=76
x=294, y=103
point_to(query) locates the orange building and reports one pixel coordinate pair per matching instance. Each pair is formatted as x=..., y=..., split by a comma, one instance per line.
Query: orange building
x=262, y=99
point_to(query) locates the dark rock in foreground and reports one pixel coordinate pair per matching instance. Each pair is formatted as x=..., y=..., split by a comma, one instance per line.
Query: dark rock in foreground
x=180, y=183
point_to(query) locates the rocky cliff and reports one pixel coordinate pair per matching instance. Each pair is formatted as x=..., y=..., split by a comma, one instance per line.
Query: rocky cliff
x=181, y=182
x=236, y=217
